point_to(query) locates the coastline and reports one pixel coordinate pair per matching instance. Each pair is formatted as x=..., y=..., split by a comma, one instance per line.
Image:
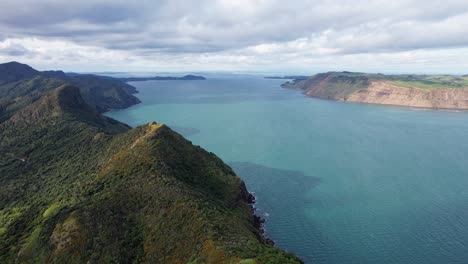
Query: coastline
x=360, y=101
x=416, y=108
x=258, y=221
x=438, y=92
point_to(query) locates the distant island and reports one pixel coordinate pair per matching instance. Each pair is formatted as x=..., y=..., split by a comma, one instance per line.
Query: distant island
x=162, y=78
x=189, y=77
x=288, y=77
x=421, y=91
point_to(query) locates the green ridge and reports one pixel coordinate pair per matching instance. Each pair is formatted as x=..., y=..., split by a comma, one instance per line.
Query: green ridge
x=78, y=187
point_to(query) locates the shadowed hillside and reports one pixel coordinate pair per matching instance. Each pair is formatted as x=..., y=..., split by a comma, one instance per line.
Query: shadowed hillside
x=21, y=85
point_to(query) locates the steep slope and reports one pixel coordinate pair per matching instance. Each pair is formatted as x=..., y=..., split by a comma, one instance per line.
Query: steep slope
x=15, y=95
x=78, y=187
x=15, y=71
x=388, y=93
x=21, y=85
x=441, y=92
x=103, y=93
x=331, y=85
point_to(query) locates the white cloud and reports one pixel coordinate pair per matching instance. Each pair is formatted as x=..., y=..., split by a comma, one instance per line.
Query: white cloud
x=256, y=35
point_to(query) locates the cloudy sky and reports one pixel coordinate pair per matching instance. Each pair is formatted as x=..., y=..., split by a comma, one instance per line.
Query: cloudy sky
x=295, y=36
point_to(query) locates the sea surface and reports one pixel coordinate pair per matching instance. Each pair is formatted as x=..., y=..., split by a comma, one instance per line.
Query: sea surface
x=336, y=182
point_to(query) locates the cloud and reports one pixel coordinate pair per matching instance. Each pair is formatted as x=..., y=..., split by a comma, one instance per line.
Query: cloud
x=14, y=49
x=248, y=33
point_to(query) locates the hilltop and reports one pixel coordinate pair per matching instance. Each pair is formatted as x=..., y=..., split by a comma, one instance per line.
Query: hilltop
x=426, y=91
x=79, y=187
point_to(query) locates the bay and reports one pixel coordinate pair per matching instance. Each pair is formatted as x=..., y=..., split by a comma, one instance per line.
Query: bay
x=336, y=182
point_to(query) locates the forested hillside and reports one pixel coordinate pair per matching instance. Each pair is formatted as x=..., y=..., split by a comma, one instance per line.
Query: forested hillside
x=78, y=187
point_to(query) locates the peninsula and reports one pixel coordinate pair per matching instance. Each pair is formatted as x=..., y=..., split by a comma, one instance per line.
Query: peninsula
x=421, y=91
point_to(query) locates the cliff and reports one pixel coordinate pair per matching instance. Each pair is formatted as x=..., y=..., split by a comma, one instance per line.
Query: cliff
x=439, y=92
x=386, y=93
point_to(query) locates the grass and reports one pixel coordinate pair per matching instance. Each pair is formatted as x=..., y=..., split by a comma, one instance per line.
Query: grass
x=341, y=84
x=435, y=82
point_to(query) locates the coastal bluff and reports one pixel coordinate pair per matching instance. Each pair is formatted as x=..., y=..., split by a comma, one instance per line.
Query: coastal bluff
x=420, y=91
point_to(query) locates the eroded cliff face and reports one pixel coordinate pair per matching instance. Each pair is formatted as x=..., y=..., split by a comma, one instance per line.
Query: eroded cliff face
x=381, y=89
x=386, y=93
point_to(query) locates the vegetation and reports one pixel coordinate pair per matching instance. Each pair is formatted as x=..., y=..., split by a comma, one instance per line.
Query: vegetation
x=78, y=187
x=14, y=71
x=434, y=82
x=448, y=91
x=22, y=85
x=332, y=85
x=339, y=83
x=104, y=93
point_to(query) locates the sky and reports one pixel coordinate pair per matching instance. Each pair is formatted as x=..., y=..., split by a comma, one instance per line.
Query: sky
x=289, y=37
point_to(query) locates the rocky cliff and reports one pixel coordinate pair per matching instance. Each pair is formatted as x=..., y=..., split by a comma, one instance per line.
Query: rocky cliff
x=439, y=92
x=380, y=92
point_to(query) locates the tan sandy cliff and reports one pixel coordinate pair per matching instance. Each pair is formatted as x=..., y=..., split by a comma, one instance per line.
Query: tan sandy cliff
x=386, y=93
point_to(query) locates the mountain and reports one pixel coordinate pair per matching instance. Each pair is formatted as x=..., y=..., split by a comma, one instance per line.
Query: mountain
x=105, y=94
x=15, y=71
x=54, y=74
x=425, y=91
x=79, y=187
x=21, y=85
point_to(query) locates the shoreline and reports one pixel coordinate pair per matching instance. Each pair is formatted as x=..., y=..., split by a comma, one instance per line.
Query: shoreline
x=258, y=221
x=404, y=90
x=447, y=109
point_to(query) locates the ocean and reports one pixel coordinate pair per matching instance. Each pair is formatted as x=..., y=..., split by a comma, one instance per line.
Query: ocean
x=336, y=182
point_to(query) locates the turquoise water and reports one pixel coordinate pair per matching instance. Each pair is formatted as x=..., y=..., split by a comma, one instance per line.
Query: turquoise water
x=336, y=182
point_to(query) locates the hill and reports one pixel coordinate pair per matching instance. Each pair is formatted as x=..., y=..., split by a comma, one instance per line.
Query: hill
x=426, y=91
x=21, y=85
x=15, y=71
x=79, y=187
x=104, y=94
